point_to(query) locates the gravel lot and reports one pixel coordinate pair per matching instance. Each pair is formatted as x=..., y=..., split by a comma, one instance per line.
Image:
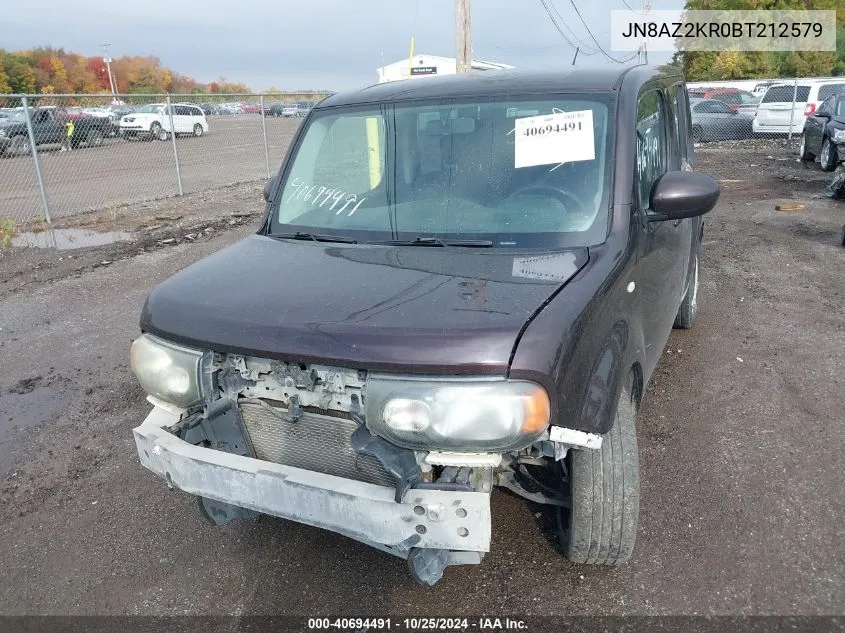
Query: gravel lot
x=741, y=443
x=126, y=171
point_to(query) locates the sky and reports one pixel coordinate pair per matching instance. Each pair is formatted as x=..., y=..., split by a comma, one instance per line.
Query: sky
x=310, y=44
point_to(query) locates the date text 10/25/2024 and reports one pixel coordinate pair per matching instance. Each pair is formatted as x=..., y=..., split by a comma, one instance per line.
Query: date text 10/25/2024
x=483, y=623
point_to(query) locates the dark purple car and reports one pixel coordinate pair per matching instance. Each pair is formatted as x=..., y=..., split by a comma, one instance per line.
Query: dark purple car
x=460, y=283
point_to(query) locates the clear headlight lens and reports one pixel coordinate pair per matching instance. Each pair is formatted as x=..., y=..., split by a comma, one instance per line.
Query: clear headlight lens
x=839, y=136
x=456, y=414
x=176, y=374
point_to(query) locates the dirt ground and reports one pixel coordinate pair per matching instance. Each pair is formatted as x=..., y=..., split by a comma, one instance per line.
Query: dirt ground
x=741, y=442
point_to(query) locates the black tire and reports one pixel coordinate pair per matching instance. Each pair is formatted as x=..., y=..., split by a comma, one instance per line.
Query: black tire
x=94, y=138
x=198, y=131
x=685, y=318
x=19, y=146
x=157, y=132
x=827, y=155
x=803, y=152
x=601, y=526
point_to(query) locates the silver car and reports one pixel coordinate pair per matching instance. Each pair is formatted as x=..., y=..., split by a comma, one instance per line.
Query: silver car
x=714, y=120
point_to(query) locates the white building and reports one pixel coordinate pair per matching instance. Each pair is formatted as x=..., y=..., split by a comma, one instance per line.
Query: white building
x=428, y=66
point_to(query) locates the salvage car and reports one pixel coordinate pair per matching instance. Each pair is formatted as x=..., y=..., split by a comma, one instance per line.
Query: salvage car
x=459, y=284
x=48, y=128
x=824, y=133
x=714, y=120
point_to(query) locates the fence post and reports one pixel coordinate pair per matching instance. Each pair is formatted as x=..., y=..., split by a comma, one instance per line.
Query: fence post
x=173, y=138
x=33, y=148
x=792, y=109
x=264, y=131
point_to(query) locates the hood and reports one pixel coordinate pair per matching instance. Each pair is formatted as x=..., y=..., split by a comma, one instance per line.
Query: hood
x=398, y=308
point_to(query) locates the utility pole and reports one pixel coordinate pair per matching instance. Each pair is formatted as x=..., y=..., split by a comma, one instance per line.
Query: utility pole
x=107, y=60
x=463, y=38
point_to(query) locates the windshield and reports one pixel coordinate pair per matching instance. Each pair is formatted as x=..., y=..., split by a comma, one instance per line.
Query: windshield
x=150, y=109
x=520, y=173
x=15, y=117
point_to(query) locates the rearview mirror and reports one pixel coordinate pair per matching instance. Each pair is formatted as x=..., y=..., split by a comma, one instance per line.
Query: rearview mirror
x=682, y=194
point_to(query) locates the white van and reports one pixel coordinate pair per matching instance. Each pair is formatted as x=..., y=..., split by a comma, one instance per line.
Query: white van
x=776, y=107
x=153, y=121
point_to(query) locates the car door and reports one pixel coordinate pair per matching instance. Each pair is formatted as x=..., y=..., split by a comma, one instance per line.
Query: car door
x=182, y=119
x=724, y=121
x=815, y=125
x=664, y=248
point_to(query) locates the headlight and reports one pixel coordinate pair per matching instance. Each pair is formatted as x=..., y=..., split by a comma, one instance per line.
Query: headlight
x=179, y=375
x=2, y=132
x=456, y=414
x=839, y=136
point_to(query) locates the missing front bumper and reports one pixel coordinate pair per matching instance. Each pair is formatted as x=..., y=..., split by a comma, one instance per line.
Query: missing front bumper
x=457, y=522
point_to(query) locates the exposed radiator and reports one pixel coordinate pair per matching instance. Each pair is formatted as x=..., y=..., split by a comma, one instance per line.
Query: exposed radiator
x=315, y=442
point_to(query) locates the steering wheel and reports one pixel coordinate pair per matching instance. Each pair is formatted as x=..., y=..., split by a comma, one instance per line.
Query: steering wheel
x=564, y=197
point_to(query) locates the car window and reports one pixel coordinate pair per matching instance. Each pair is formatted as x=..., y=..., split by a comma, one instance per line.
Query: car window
x=840, y=109
x=828, y=90
x=197, y=111
x=827, y=106
x=683, y=123
x=652, y=149
x=720, y=108
x=181, y=110
x=518, y=172
x=784, y=93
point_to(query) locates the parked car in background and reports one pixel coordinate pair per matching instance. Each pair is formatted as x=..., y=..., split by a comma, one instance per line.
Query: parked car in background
x=303, y=108
x=777, y=109
x=490, y=326
x=153, y=121
x=760, y=88
x=48, y=128
x=824, y=133
x=714, y=120
x=251, y=108
x=113, y=127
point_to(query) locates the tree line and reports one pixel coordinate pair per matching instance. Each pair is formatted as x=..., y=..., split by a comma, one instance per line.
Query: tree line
x=47, y=70
x=715, y=65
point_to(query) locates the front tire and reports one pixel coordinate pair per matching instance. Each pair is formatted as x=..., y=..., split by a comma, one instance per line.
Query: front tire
x=94, y=138
x=803, y=152
x=685, y=318
x=198, y=131
x=601, y=526
x=827, y=157
x=157, y=132
x=19, y=146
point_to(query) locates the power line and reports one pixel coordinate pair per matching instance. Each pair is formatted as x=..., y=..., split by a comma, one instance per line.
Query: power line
x=601, y=50
x=572, y=33
x=559, y=30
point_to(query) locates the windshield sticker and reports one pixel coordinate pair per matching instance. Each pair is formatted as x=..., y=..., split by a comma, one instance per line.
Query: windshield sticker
x=555, y=267
x=319, y=196
x=554, y=139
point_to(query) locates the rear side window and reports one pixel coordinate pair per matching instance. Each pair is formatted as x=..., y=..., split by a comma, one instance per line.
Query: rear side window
x=652, y=148
x=840, y=109
x=828, y=90
x=783, y=94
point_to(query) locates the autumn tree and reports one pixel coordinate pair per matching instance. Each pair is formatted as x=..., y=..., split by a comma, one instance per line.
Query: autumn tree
x=750, y=65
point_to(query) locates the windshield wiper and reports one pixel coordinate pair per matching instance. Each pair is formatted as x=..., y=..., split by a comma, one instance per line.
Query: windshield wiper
x=436, y=241
x=314, y=237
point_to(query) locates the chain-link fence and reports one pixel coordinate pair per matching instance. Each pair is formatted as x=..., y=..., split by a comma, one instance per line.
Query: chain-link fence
x=78, y=153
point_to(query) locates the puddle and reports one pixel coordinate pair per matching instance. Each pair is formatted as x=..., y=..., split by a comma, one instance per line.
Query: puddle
x=66, y=239
x=20, y=411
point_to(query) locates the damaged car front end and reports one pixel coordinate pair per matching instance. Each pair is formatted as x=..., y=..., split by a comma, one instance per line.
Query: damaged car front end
x=250, y=435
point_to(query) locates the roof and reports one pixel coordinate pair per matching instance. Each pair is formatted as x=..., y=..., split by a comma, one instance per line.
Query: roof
x=501, y=82
x=425, y=59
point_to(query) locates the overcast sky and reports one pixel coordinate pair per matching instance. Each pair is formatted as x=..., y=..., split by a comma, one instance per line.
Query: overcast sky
x=325, y=44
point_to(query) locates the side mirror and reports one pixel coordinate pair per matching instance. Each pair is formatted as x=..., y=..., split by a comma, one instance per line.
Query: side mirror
x=682, y=194
x=270, y=186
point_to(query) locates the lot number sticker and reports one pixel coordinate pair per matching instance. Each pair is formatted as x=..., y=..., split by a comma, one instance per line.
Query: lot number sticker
x=552, y=139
